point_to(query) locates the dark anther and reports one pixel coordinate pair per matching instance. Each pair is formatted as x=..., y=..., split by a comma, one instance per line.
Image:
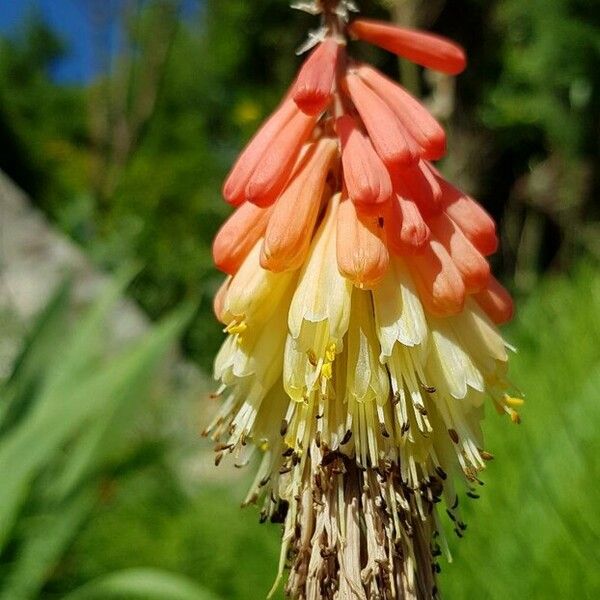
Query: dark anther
x=346, y=437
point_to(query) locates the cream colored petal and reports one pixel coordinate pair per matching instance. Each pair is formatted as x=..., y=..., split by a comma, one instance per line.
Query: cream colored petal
x=367, y=378
x=320, y=307
x=480, y=336
x=449, y=362
x=254, y=293
x=398, y=311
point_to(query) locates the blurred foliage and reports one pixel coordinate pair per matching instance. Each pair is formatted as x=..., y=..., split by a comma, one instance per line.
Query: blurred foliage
x=65, y=438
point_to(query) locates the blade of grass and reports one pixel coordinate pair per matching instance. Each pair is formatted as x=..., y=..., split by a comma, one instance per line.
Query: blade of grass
x=84, y=346
x=63, y=410
x=35, y=358
x=92, y=446
x=142, y=584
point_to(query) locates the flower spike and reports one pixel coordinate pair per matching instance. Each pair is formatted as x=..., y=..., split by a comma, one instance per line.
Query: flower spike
x=360, y=314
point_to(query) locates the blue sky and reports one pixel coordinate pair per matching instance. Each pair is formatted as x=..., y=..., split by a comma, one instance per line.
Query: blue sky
x=71, y=19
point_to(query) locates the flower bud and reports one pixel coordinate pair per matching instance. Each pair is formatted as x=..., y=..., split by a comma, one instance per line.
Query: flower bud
x=426, y=49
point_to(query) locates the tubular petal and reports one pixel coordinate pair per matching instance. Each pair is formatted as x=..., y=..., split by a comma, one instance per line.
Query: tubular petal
x=362, y=256
x=322, y=298
x=423, y=127
x=219, y=301
x=235, y=184
x=496, y=302
x=449, y=362
x=398, y=312
x=238, y=235
x=385, y=130
x=480, y=337
x=312, y=90
x=426, y=49
x=256, y=359
x=293, y=217
x=367, y=379
x=405, y=229
x=419, y=184
x=366, y=178
x=254, y=293
x=477, y=225
x=273, y=170
x=438, y=281
x=473, y=267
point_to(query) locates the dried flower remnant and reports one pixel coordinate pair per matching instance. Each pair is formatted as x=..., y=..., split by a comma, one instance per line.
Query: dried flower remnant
x=361, y=318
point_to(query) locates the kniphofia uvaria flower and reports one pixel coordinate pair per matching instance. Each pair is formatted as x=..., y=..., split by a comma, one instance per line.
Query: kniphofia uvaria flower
x=361, y=318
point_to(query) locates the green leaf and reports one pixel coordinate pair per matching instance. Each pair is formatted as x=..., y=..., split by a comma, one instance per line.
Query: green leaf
x=92, y=446
x=66, y=405
x=35, y=358
x=45, y=539
x=143, y=584
x=84, y=347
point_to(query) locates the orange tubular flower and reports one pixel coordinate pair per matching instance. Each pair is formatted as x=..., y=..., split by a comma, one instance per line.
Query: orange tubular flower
x=406, y=229
x=473, y=220
x=238, y=235
x=422, y=48
x=387, y=133
x=362, y=255
x=288, y=234
x=368, y=181
x=425, y=130
x=473, y=267
x=496, y=302
x=235, y=185
x=361, y=316
x=275, y=166
x=313, y=88
x=438, y=280
x=418, y=183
